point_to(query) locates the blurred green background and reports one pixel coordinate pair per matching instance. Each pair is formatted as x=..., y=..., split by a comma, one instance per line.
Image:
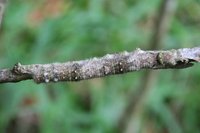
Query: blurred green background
x=46, y=31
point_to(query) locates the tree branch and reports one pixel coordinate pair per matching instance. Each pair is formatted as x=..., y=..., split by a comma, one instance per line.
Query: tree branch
x=2, y=8
x=110, y=64
x=136, y=100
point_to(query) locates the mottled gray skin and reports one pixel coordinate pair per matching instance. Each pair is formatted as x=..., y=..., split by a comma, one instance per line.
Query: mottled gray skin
x=109, y=64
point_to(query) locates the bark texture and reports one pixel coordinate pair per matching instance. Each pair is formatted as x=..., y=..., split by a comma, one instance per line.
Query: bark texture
x=109, y=64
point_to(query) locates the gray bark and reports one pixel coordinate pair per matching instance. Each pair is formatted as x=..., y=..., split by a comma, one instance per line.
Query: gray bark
x=109, y=64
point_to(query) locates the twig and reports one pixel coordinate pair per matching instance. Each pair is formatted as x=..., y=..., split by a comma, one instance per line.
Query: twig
x=2, y=8
x=163, y=22
x=110, y=64
x=135, y=108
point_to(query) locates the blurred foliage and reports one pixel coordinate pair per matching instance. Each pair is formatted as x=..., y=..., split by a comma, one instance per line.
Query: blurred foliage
x=48, y=31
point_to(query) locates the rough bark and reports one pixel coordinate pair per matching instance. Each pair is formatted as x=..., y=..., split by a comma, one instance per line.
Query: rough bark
x=110, y=64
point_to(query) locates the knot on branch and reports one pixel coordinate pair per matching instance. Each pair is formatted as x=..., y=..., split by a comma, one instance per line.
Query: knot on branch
x=173, y=59
x=17, y=69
